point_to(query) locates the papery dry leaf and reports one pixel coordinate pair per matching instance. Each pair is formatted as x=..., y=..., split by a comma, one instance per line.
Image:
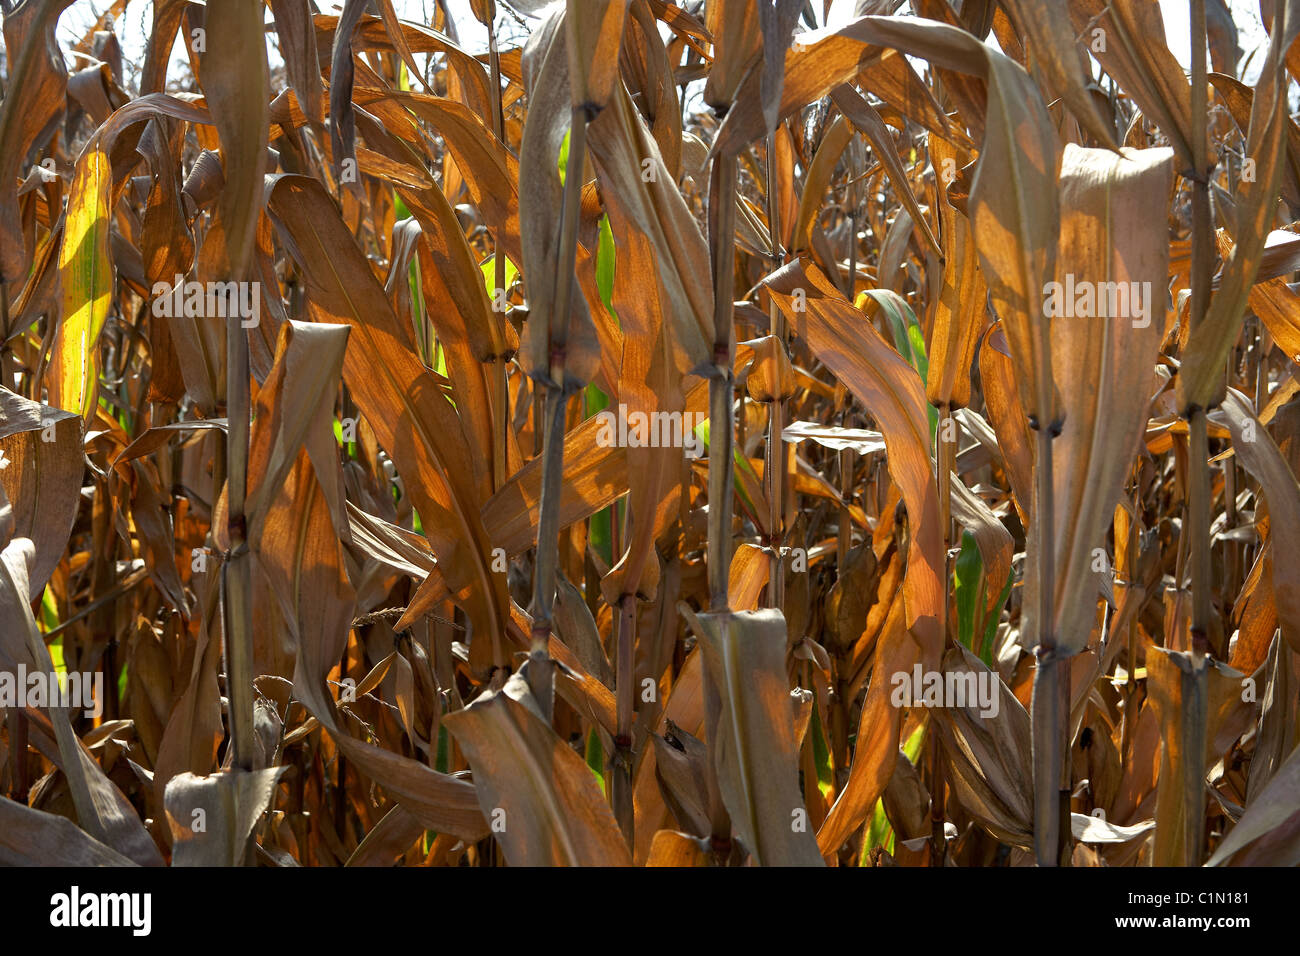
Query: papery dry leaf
x=1128, y=39
x=401, y=402
x=960, y=311
x=751, y=736
x=853, y=349
x=34, y=838
x=41, y=478
x=227, y=804
x=1104, y=356
x=35, y=84
x=988, y=751
x=540, y=797
x=237, y=85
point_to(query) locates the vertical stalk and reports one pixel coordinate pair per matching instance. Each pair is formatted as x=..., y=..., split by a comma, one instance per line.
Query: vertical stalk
x=620, y=790
x=501, y=388
x=1130, y=685
x=774, y=463
x=1198, y=529
x=722, y=255
x=548, y=534
x=4, y=324
x=1198, y=466
x=103, y=572
x=773, y=471
x=938, y=841
x=1232, y=553
x=1046, y=729
x=844, y=539
x=1263, y=345
x=844, y=536
x=548, y=522
x=1065, y=836
x=18, y=753
x=236, y=585
x=851, y=280
x=722, y=240
x=944, y=456
x=1198, y=485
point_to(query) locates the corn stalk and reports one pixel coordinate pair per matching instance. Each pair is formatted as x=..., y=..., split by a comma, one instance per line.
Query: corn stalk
x=722, y=239
x=548, y=524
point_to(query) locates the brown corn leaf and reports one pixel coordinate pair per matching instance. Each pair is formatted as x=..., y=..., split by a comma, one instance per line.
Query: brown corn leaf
x=1046, y=25
x=750, y=733
x=35, y=84
x=542, y=800
x=818, y=176
x=673, y=848
x=102, y=810
x=410, y=416
x=1128, y=38
x=41, y=478
x=1104, y=352
x=1200, y=379
x=776, y=21
x=1007, y=415
x=546, y=66
x=226, y=804
x=297, y=34
x=1275, y=736
x=1266, y=814
x=960, y=311
x=238, y=89
x=594, y=32
x=684, y=707
x=1259, y=454
x=737, y=46
x=682, y=768
x=35, y=838
x=167, y=15
x=876, y=754
x=342, y=75
x=986, y=743
x=892, y=392
x=867, y=121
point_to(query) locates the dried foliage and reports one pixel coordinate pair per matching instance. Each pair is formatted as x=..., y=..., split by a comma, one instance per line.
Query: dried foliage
x=684, y=434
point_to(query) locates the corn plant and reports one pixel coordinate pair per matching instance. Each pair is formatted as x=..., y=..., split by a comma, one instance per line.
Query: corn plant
x=638, y=432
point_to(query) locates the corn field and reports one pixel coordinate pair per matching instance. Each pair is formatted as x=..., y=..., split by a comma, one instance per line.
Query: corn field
x=649, y=433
